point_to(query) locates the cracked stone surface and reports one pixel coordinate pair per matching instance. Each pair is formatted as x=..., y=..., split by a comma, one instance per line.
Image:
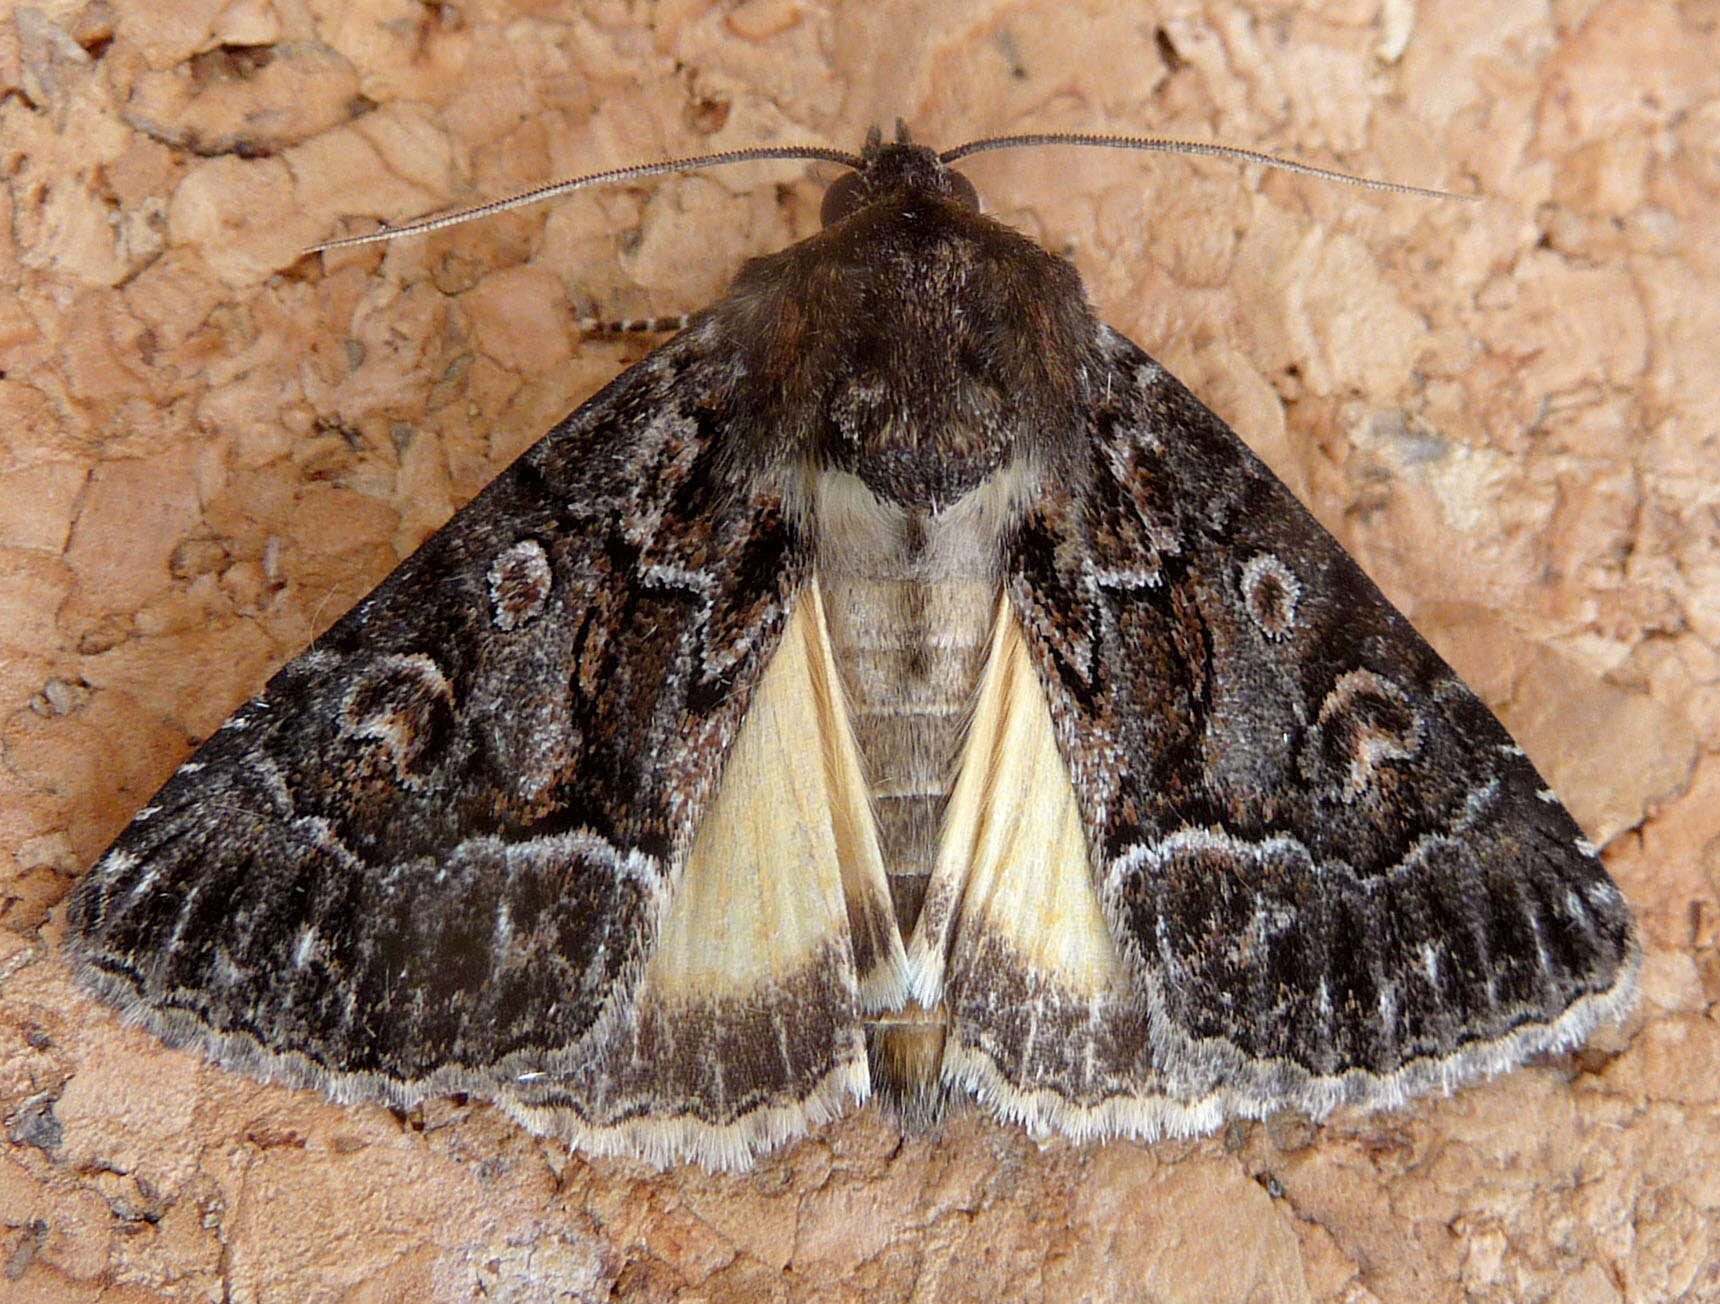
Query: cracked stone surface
x=1509, y=410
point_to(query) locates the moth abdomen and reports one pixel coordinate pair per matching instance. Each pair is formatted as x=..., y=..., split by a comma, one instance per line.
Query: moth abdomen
x=905, y=1055
x=910, y=596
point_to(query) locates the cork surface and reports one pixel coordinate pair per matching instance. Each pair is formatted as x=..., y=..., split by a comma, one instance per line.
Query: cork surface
x=1509, y=410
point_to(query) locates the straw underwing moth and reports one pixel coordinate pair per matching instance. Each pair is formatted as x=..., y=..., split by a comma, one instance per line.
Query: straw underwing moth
x=896, y=685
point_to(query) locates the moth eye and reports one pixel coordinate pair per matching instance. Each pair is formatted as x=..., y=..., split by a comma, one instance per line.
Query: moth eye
x=962, y=191
x=847, y=194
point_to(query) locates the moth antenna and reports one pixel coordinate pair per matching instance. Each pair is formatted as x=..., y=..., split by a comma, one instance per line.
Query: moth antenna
x=1167, y=145
x=557, y=188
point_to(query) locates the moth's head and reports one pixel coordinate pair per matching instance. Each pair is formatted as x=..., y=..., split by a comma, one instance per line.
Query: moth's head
x=888, y=171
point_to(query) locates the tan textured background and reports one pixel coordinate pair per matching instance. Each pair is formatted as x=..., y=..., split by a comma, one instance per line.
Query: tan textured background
x=1508, y=410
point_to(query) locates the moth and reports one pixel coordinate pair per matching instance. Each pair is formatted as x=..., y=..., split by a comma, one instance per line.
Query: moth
x=896, y=686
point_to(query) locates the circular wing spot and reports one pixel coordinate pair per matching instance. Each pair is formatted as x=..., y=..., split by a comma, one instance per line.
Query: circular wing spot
x=520, y=582
x=1270, y=593
x=405, y=704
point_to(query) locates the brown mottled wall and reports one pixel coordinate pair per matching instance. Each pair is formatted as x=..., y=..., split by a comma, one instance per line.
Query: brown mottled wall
x=1509, y=410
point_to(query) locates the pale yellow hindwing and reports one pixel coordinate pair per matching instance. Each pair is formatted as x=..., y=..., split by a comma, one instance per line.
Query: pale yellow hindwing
x=787, y=851
x=1013, y=863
